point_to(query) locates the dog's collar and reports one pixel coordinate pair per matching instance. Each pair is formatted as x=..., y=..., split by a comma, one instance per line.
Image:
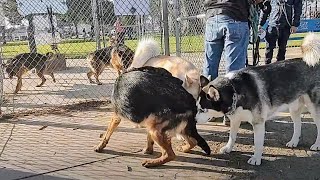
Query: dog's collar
x=234, y=102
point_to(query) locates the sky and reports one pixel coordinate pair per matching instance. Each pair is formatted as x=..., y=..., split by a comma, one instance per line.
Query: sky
x=26, y=7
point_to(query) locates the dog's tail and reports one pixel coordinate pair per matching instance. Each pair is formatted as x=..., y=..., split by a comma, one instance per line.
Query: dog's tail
x=147, y=48
x=90, y=59
x=311, y=49
x=193, y=132
x=202, y=143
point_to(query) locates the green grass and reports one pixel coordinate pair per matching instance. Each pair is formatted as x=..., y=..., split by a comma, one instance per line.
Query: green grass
x=78, y=48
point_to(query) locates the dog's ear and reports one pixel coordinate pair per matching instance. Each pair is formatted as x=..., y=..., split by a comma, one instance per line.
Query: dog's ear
x=213, y=93
x=49, y=55
x=188, y=80
x=203, y=81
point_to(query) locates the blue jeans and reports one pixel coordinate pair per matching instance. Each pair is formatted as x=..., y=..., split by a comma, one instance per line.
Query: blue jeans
x=224, y=33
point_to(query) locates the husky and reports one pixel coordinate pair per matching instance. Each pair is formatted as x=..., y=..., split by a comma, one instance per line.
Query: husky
x=255, y=94
x=148, y=54
x=153, y=98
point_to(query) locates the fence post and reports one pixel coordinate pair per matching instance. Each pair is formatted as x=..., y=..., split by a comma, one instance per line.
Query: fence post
x=1, y=80
x=100, y=17
x=165, y=27
x=177, y=27
x=96, y=23
x=2, y=40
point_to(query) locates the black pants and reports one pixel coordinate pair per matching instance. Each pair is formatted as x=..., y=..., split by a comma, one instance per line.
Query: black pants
x=120, y=37
x=274, y=34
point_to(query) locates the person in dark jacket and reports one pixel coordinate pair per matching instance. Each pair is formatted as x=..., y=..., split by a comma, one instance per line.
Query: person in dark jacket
x=284, y=18
x=226, y=30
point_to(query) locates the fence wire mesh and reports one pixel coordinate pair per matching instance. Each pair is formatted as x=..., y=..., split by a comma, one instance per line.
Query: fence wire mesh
x=192, y=28
x=70, y=40
x=74, y=40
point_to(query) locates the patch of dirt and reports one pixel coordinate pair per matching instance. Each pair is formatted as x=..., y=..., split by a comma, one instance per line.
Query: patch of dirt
x=60, y=110
x=279, y=161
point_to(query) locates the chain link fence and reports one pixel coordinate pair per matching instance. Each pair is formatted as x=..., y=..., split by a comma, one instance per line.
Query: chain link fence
x=70, y=41
x=191, y=22
x=73, y=40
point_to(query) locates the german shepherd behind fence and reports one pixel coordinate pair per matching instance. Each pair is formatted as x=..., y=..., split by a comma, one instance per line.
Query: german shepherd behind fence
x=102, y=58
x=24, y=62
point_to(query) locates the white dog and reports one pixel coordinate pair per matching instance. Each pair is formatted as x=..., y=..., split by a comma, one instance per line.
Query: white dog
x=148, y=54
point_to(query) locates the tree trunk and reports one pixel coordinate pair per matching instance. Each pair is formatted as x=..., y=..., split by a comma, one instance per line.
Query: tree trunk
x=30, y=31
x=76, y=28
x=3, y=34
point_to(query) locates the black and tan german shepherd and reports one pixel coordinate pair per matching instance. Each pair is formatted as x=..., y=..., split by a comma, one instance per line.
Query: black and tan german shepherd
x=24, y=62
x=117, y=56
x=153, y=98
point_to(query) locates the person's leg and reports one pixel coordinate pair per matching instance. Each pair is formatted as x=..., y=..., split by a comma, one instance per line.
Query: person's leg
x=119, y=37
x=236, y=44
x=122, y=36
x=284, y=34
x=213, y=47
x=271, y=39
x=236, y=37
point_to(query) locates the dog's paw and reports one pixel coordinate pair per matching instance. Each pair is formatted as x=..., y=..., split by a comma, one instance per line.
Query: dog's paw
x=179, y=148
x=184, y=149
x=99, y=148
x=40, y=85
x=315, y=147
x=149, y=163
x=254, y=161
x=137, y=126
x=225, y=149
x=147, y=151
x=293, y=143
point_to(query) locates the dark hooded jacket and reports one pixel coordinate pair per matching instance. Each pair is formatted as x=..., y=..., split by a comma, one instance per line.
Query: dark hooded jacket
x=236, y=9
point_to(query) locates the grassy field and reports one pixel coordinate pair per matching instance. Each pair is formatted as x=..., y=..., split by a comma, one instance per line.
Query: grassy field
x=80, y=48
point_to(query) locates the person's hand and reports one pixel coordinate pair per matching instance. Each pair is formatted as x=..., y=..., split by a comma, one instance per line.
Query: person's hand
x=258, y=1
x=293, y=29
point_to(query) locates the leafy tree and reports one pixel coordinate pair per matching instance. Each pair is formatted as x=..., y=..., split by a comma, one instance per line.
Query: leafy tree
x=80, y=11
x=106, y=12
x=10, y=8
